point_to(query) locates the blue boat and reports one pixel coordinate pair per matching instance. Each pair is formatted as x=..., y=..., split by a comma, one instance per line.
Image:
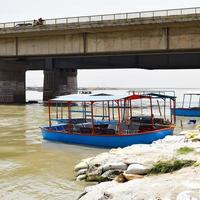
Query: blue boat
x=189, y=110
x=111, y=125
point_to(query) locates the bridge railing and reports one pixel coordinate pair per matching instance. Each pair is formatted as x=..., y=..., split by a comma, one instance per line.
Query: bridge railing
x=102, y=18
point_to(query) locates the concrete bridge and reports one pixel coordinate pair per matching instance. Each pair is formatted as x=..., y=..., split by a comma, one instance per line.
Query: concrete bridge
x=163, y=39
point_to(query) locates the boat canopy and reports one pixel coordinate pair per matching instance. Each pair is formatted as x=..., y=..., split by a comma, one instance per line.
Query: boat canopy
x=192, y=93
x=155, y=95
x=95, y=97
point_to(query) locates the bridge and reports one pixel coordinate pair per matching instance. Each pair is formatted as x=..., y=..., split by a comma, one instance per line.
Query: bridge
x=162, y=39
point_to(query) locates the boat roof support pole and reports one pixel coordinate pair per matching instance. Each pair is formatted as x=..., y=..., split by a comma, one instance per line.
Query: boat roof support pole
x=69, y=118
x=183, y=101
x=141, y=106
x=103, y=109
x=85, y=106
x=159, y=108
x=92, y=116
x=49, y=110
x=119, y=117
x=108, y=110
x=165, y=109
x=170, y=105
x=199, y=101
x=61, y=105
x=121, y=108
x=151, y=110
x=56, y=110
x=190, y=101
x=130, y=108
x=113, y=111
x=174, y=111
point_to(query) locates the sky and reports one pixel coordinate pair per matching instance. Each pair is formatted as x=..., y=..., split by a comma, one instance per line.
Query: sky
x=20, y=10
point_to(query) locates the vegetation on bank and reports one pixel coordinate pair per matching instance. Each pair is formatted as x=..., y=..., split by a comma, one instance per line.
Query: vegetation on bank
x=185, y=150
x=162, y=167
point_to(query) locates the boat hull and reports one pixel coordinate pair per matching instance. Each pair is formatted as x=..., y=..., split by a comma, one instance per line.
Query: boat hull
x=187, y=112
x=108, y=141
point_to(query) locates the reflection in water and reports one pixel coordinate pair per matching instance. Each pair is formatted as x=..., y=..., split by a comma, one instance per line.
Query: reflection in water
x=31, y=168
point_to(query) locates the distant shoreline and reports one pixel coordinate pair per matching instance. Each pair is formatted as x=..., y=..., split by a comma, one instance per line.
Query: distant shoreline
x=40, y=89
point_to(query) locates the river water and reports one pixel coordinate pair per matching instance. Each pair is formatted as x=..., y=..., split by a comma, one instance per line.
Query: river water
x=30, y=167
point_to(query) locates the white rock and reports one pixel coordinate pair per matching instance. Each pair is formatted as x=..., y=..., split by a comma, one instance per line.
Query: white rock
x=186, y=195
x=81, y=165
x=111, y=174
x=81, y=177
x=137, y=169
x=166, y=187
x=120, y=166
x=171, y=139
x=132, y=176
x=81, y=172
x=87, y=160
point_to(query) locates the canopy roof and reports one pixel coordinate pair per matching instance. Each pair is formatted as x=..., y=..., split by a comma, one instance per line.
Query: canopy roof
x=155, y=95
x=192, y=93
x=94, y=97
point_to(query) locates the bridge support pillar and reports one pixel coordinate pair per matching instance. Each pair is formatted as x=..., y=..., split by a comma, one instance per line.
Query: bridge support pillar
x=12, y=86
x=59, y=82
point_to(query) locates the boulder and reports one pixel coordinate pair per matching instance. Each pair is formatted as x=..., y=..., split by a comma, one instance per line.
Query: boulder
x=94, y=170
x=113, y=166
x=81, y=165
x=97, y=178
x=130, y=177
x=81, y=177
x=111, y=174
x=120, y=179
x=187, y=195
x=81, y=172
x=137, y=168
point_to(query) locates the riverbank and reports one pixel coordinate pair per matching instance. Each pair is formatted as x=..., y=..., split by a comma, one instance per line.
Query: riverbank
x=166, y=169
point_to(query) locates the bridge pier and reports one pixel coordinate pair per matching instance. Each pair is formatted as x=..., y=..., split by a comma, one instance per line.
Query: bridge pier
x=59, y=82
x=12, y=86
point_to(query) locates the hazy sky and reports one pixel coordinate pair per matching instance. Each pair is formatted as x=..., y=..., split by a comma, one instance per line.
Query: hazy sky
x=14, y=10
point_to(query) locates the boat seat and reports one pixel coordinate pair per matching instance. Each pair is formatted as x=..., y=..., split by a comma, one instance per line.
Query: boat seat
x=78, y=121
x=76, y=127
x=112, y=126
x=85, y=130
x=60, y=128
x=87, y=125
x=133, y=127
x=146, y=128
x=109, y=131
x=124, y=127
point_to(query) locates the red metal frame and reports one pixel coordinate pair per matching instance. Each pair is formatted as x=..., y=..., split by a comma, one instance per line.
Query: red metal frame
x=119, y=117
x=170, y=105
x=119, y=102
x=174, y=111
x=92, y=117
x=108, y=110
x=49, y=110
x=151, y=110
x=69, y=117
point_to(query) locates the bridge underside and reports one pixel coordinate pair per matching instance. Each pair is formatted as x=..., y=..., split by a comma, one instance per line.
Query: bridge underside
x=60, y=72
x=154, y=60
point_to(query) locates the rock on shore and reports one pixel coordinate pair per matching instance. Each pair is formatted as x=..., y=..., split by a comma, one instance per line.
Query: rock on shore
x=134, y=164
x=180, y=185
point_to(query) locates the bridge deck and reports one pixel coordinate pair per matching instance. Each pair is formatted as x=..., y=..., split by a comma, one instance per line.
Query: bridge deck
x=97, y=21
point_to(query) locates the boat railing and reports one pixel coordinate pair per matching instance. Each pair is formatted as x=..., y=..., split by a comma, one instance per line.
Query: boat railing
x=110, y=127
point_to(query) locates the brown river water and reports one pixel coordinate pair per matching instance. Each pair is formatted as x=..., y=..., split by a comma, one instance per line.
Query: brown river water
x=33, y=168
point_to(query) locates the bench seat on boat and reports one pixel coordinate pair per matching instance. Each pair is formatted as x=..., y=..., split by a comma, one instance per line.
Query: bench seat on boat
x=88, y=130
